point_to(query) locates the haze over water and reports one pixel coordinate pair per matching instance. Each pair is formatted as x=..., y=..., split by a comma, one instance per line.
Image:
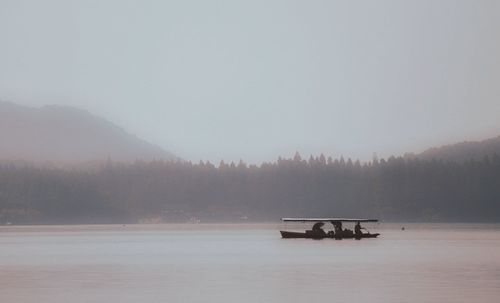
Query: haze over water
x=248, y=263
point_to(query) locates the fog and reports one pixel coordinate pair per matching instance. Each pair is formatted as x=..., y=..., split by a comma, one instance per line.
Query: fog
x=254, y=80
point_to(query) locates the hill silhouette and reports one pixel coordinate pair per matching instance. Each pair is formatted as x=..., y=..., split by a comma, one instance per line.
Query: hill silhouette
x=67, y=135
x=460, y=152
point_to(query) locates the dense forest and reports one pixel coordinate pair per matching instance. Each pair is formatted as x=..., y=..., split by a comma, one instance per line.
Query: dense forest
x=391, y=189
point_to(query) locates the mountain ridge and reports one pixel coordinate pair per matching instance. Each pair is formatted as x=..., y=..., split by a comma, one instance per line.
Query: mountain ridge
x=68, y=135
x=463, y=151
x=59, y=134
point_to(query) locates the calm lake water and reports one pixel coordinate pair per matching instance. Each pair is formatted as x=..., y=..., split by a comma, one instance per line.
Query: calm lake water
x=248, y=263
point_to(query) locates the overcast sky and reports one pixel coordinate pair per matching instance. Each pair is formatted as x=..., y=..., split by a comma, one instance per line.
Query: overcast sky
x=257, y=79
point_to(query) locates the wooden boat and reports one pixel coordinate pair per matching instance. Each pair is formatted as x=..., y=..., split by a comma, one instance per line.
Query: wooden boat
x=318, y=233
x=307, y=235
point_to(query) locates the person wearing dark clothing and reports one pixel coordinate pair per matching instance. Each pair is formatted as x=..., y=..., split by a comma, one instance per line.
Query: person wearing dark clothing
x=318, y=228
x=337, y=227
x=357, y=229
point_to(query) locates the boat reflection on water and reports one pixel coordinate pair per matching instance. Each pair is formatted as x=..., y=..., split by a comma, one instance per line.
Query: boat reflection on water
x=317, y=231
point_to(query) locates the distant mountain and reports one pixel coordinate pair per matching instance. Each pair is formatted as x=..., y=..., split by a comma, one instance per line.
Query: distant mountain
x=66, y=135
x=463, y=151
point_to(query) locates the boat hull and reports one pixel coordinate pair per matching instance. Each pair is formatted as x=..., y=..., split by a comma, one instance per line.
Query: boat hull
x=318, y=236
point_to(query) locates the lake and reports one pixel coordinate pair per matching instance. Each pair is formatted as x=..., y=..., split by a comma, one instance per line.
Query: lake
x=247, y=263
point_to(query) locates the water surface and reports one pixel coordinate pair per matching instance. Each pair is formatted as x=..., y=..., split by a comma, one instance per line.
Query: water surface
x=247, y=263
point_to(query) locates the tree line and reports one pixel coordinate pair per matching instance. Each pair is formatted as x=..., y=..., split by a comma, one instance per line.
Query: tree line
x=394, y=189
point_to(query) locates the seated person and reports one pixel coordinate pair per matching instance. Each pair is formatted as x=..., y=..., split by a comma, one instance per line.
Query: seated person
x=357, y=229
x=317, y=228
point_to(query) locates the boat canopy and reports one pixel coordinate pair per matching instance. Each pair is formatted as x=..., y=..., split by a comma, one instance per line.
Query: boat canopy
x=326, y=220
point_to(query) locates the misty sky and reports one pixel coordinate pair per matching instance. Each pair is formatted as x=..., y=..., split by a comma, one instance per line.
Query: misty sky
x=258, y=79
